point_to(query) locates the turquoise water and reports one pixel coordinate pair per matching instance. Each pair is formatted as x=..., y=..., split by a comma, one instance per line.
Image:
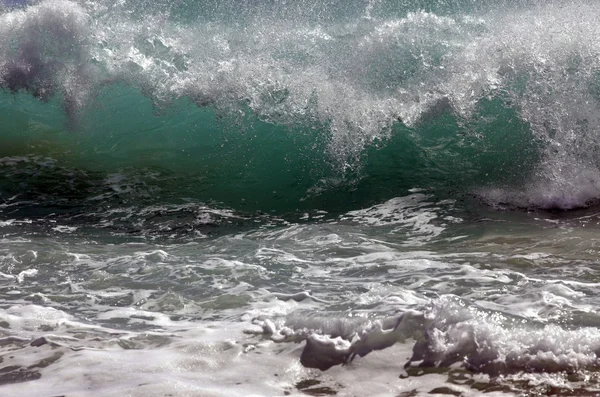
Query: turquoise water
x=219, y=105
x=319, y=197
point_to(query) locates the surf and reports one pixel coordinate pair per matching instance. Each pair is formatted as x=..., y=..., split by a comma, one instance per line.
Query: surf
x=251, y=108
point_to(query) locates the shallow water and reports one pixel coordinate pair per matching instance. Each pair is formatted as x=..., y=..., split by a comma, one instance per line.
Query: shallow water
x=427, y=297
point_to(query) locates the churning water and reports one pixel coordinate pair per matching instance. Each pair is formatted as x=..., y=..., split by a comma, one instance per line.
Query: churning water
x=317, y=197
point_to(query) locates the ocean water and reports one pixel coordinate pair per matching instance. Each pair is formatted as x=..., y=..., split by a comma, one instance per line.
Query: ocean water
x=311, y=197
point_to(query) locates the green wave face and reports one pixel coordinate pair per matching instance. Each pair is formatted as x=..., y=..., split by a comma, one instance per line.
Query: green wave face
x=267, y=106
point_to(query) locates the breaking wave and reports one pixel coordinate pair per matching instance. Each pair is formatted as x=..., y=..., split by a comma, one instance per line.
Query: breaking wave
x=272, y=106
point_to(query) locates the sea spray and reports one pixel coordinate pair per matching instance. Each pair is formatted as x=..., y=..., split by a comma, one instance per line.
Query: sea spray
x=318, y=197
x=336, y=94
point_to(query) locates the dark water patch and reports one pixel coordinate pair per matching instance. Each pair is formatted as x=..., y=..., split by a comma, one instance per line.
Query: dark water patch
x=311, y=387
x=17, y=374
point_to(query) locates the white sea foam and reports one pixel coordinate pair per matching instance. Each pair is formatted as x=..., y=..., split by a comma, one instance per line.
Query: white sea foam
x=267, y=339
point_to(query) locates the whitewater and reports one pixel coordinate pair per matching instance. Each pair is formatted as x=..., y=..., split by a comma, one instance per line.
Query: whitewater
x=318, y=197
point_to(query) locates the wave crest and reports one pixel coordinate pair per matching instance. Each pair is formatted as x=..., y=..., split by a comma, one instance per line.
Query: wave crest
x=359, y=81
